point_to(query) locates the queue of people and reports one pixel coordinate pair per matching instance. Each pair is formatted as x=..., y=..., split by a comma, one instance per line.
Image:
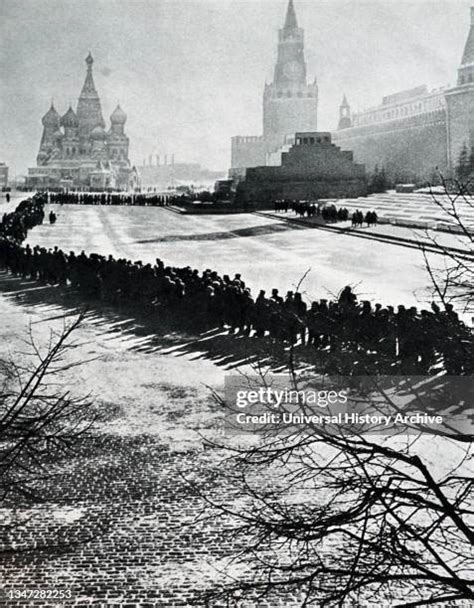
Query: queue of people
x=403, y=340
x=106, y=198
x=150, y=199
x=358, y=219
x=329, y=213
x=28, y=214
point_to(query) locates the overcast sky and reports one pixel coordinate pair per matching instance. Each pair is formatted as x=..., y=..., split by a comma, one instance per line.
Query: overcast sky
x=190, y=73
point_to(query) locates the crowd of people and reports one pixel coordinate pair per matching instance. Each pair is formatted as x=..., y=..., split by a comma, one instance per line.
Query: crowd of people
x=28, y=214
x=107, y=198
x=403, y=340
x=142, y=199
x=301, y=208
x=329, y=213
x=358, y=218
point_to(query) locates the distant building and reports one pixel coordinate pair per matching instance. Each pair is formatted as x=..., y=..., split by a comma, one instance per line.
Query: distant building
x=313, y=168
x=3, y=175
x=290, y=103
x=415, y=133
x=76, y=150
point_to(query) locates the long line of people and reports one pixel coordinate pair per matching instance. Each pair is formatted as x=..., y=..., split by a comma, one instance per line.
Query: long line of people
x=28, y=214
x=106, y=198
x=150, y=199
x=328, y=212
x=403, y=340
x=358, y=218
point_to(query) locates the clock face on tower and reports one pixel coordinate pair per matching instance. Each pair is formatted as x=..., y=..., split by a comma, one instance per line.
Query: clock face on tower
x=293, y=70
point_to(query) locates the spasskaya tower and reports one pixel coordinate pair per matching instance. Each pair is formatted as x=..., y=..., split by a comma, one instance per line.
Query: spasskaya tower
x=290, y=104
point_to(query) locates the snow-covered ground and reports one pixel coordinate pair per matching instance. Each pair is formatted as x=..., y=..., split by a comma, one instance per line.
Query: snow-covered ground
x=267, y=252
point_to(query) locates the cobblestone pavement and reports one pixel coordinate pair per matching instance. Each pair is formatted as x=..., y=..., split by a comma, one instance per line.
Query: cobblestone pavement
x=117, y=529
x=117, y=526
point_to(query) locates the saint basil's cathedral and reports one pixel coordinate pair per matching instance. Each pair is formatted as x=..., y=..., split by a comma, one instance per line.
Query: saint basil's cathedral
x=77, y=152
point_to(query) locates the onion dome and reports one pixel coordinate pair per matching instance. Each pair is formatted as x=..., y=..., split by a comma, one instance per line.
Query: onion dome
x=118, y=116
x=69, y=120
x=51, y=118
x=98, y=133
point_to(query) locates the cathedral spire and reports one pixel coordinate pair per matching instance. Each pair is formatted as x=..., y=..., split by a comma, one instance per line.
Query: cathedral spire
x=89, y=86
x=291, y=22
x=89, y=111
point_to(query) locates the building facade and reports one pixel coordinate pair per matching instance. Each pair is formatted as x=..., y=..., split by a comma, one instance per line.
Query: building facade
x=415, y=134
x=313, y=168
x=75, y=149
x=290, y=103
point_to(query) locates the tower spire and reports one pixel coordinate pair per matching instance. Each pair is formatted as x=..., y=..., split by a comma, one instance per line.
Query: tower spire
x=291, y=22
x=466, y=70
x=468, y=55
x=290, y=104
x=344, y=114
x=290, y=68
x=89, y=87
x=89, y=112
